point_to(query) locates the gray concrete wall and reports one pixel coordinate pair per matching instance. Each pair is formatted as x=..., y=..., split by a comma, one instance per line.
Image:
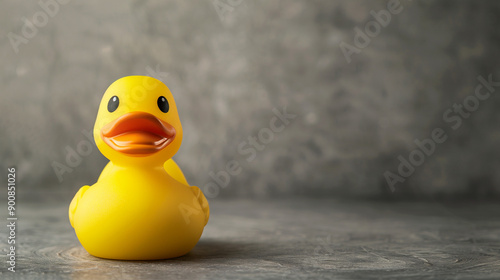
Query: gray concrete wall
x=230, y=66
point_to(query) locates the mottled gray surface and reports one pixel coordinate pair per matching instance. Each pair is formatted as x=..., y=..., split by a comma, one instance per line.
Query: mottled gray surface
x=294, y=239
x=228, y=73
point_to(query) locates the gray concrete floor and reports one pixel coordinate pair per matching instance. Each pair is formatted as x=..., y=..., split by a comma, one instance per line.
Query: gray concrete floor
x=285, y=239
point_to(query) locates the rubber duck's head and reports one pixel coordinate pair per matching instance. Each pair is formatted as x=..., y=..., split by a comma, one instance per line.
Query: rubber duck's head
x=138, y=122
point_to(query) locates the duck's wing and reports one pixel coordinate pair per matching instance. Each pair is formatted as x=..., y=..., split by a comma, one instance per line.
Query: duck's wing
x=202, y=200
x=74, y=203
x=173, y=170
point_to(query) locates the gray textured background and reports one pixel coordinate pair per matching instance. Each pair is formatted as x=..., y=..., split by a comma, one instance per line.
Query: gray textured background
x=228, y=73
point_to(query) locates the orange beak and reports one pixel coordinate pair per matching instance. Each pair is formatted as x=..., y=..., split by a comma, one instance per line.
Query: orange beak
x=138, y=134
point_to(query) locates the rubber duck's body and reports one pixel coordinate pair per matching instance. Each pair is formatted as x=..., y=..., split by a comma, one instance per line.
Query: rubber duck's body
x=141, y=207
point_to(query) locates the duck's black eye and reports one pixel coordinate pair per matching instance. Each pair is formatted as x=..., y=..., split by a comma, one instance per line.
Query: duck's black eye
x=113, y=104
x=163, y=104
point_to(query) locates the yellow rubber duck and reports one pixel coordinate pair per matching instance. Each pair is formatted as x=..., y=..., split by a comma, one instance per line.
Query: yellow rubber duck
x=141, y=207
